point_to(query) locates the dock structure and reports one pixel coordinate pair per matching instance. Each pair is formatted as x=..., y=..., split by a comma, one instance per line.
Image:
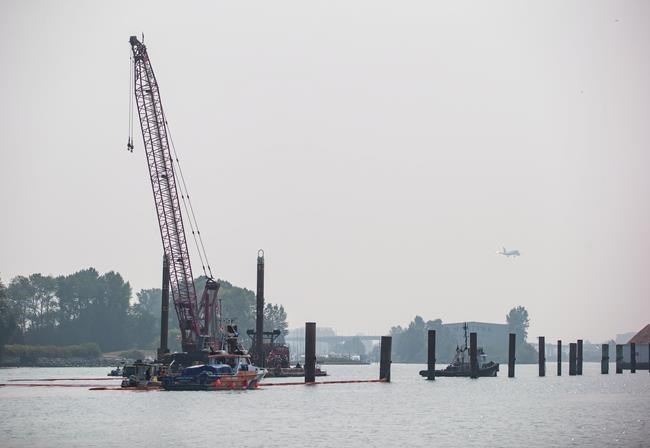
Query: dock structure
x=604, y=361
x=619, y=358
x=579, y=358
x=541, y=352
x=473, y=355
x=559, y=357
x=431, y=355
x=572, y=359
x=511, y=355
x=385, y=358
x=310, y=352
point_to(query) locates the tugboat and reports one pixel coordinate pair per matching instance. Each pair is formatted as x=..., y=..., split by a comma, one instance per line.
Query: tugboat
x=117, y=371
x=460, y=365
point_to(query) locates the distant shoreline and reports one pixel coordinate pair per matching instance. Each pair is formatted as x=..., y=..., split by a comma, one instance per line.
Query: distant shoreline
x=60, y=362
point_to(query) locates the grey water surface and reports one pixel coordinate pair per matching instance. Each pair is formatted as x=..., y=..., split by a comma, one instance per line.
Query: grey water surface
x=591, y=410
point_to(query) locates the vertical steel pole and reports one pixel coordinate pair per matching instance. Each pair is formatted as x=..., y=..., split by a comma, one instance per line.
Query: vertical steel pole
x=604, y=362
x=473, y=355
x=385, y=358
x=511, y=355
x=310, y=352
x=579, y=358
x=572, y=359
x=541, y=355
x=431, y=355
x=559, y=357
x=259, y=321
x=619, y=358
x=632, y=357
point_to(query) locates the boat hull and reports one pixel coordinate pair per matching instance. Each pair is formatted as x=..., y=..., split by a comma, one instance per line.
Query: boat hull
x=241, y=381
x=485, y=371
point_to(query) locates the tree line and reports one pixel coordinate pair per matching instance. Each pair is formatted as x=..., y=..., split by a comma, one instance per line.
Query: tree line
x=89, y=307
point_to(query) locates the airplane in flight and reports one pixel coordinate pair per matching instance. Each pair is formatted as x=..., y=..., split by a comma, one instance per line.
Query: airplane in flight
x=509, y=253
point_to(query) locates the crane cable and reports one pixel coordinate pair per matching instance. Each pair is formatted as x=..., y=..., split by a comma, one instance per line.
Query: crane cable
x=190, y=212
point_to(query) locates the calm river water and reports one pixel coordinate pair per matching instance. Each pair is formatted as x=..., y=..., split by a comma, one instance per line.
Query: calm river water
x=592, y=410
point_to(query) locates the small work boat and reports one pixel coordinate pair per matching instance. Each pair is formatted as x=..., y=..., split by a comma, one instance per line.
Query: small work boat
x=116, y=371
x=224, y=371
x=292, y=372
x=142, y=374
x=460, y=365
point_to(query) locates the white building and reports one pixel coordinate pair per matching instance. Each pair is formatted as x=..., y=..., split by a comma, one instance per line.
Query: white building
x=486, y=333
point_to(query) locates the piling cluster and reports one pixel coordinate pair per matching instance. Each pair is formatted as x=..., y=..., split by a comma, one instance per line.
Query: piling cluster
x=575, y=356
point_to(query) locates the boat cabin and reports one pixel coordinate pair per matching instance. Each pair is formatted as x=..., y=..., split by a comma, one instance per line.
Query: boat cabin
x=236, y=362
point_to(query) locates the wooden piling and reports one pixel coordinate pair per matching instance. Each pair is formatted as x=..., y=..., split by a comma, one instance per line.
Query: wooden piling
x=604, y=362
x=385, y=358
x=619, y=358
x=572, y=359
x=579, y=358
x=541, y=355
x=431, y=355
x=632, y=357
x=310, y=352
x=559, y=357
x=511, y=355
x=473, y=355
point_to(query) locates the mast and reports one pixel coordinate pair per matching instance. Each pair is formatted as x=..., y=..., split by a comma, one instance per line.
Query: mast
x=465, y=329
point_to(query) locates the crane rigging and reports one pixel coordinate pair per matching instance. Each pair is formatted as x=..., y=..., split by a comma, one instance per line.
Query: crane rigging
x=198, y=321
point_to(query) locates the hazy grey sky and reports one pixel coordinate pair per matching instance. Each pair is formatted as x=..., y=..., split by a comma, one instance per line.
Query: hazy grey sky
x=380, y=152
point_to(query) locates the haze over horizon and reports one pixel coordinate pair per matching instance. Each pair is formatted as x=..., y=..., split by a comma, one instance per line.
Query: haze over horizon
x=379, y=152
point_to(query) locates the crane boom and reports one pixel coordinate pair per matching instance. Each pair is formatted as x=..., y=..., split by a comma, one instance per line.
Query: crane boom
x=193, y=320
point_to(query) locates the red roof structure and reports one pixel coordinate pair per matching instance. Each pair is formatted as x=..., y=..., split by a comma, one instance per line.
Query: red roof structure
x=642, y=337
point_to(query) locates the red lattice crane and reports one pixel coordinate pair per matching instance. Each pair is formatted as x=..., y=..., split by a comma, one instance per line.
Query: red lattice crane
x=197, y=321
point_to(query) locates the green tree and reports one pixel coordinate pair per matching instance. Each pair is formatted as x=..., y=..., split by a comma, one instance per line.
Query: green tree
x=149, y=301
x=20, y=292
x=143, y=329
x=409, y=343
x=8, y=325
x=275, y=318
x=93, y=308
x=43, y=306
x=144, y=319
x=518, y=322
x=33, y=301
x=77, y=293
x=110, y=312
